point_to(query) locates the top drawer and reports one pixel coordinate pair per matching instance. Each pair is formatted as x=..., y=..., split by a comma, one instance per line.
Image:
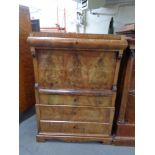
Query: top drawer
x=75, y=100
x=76, y=69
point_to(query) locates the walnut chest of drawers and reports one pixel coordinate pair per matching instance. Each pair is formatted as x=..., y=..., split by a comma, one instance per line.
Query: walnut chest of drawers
x=75, y=84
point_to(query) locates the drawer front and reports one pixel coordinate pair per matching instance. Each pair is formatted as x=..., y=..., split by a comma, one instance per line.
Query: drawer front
x=75, y=127
x=76, y=113
x=76, y=69
x=103, y=101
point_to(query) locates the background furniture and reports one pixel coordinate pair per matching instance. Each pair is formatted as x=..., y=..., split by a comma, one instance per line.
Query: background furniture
x=75, y=84
x=26, y=73
x=124, y=124
x=35, y=24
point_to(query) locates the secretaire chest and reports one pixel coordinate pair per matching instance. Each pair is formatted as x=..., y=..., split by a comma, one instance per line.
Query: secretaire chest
x=75, y=84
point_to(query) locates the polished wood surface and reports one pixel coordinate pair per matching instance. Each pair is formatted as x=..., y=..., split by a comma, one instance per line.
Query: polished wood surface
x=76, y=35
x=126, y=88
x=42, y=136
x=124, y=124
x=76, y=100
x=26, y=73
x=124, y=141
x=130, y=113
x=76, y=113
x=77, y=43
x=80, y=92
x=72, y=127
x=68, y=69
x=75, y=84
x=126, y=130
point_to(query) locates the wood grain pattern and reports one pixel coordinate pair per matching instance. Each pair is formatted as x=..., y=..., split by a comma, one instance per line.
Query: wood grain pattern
x=41, y=137
x=126, y=89
x=76, y=84
x=75, y=127
x=75, y=113
x=66, y=69
x=26, y=83
x=77, y=43
x=76, y=35
x=130, y=113
x=102, y=101
x=124, y=123
x=126, y=130
x=35, y=65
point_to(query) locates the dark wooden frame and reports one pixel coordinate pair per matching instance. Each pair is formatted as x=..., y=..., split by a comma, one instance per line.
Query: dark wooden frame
x=124, y=122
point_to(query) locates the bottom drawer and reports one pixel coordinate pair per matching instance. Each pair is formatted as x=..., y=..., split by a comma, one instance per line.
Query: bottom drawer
x=75, y=127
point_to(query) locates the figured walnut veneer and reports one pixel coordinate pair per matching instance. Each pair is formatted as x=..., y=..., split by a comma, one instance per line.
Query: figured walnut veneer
x=76, y=77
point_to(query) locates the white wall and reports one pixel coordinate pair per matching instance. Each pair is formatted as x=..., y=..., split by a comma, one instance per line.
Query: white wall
x=46, y=12
x=126, y=14
x=100, y=23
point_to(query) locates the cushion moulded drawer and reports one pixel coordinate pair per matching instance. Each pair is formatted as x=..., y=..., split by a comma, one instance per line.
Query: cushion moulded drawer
x=70, y=127
x=76, y=113
x=75, y=100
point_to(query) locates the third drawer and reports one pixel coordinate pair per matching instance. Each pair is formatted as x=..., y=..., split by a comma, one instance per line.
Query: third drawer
x=76, y=113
